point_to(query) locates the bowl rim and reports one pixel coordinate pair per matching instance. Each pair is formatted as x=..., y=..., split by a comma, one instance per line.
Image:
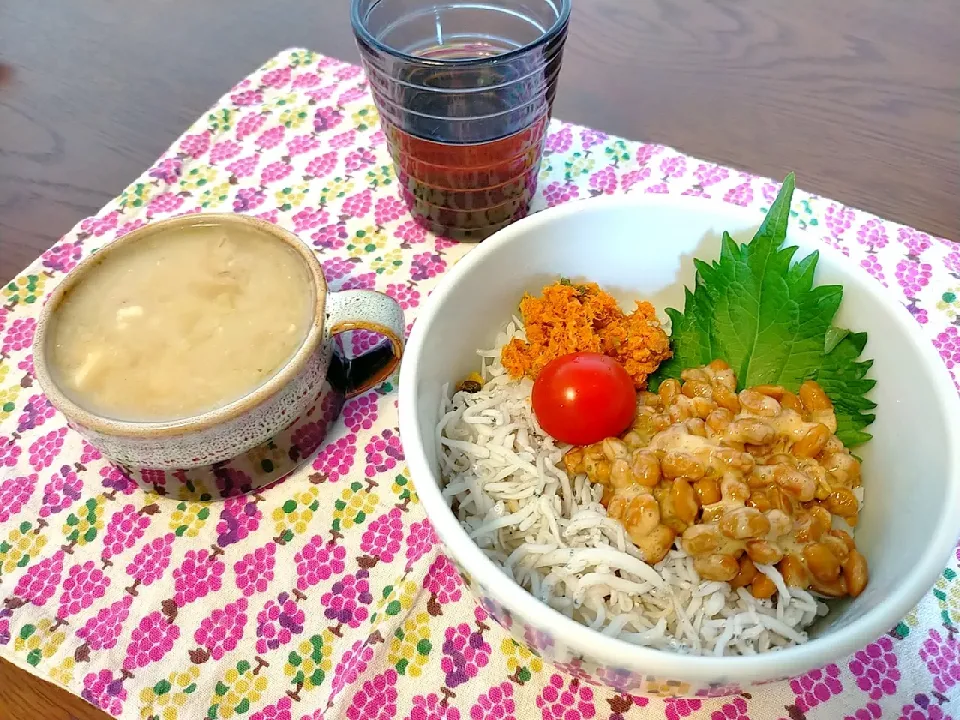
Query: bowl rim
x=580, y=639
x=105, y=425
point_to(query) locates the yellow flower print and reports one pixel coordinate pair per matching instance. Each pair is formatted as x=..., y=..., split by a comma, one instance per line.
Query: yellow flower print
x=84, y=523
x=396, y=598
x=947, y=593
x=62, y=674
x=310, y=663
x=291, y=197
x=403, y=488
x=952, y=609
x=911, y=618
x=365, y=118
x=38, y=642
x=215, y=196
x=198, y=177
x=294, y=117
x=221, y=120
x=579, y=164
x=183, y=680
x=411, y=646
x=380, y=176
x=368, y=240
x=949, y=303
x=8, y=397
x=188, y=517
x=164, y=700
x=617, y=152
x=388, y=263
x=136, y=195
x=24, y=289
x=521, y=662
x=242, y=687
x=909, y=622
x=21, y=544
x=353, y=507
x=152, y=497
x=294, y=516
x=338, y=188
x=307, y=496
x=301, y=57
x=285, y=99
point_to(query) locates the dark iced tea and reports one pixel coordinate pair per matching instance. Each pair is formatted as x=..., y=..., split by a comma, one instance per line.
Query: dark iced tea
x=465, y=98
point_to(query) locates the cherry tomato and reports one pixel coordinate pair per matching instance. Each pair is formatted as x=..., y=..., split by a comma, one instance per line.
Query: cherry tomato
x=583, y=398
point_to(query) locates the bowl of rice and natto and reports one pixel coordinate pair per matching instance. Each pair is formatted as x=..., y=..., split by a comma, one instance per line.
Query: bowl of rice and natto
x=736, y=531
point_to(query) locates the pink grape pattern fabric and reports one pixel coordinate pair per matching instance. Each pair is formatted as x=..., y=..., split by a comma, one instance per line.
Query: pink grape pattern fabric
x=326, y=594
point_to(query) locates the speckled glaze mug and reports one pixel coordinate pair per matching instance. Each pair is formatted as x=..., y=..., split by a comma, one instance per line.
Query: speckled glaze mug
x=238, y=426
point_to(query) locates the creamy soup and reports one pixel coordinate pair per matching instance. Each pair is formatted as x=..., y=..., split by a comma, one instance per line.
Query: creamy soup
x=181, y=322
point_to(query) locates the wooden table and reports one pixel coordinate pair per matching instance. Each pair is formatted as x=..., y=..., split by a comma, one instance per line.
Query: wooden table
x=861, y=98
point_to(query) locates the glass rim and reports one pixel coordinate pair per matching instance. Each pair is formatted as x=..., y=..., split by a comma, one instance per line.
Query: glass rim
x=364, y=35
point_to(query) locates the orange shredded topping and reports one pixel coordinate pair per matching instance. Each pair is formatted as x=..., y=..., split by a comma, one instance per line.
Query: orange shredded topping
x=583, y=318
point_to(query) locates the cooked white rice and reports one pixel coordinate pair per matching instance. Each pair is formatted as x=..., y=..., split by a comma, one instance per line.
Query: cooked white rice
x=554, y=537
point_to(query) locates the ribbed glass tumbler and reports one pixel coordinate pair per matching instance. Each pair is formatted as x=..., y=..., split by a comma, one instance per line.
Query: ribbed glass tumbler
x=464, y=91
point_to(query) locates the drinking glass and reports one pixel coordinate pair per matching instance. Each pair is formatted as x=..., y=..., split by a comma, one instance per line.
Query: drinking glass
x=464, y=91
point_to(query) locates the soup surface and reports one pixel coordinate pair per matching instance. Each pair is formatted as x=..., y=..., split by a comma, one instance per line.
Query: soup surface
x=180, y=323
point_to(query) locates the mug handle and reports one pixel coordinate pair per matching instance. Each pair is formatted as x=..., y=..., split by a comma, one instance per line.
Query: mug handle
x=364, y=310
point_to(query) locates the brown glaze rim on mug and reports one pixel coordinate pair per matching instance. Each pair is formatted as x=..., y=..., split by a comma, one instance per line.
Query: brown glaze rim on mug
x=211, y=418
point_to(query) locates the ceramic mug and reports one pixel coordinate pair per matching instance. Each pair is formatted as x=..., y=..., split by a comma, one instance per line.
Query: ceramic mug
x=229, y=430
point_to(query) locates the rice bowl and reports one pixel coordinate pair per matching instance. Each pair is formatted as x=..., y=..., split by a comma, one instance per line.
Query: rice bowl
x=641, y=247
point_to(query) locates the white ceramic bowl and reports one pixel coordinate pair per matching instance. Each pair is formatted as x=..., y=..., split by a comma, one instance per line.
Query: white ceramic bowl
x=642, y=247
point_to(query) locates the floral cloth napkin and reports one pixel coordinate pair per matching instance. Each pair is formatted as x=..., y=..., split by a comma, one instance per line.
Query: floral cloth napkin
x=326, y=594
